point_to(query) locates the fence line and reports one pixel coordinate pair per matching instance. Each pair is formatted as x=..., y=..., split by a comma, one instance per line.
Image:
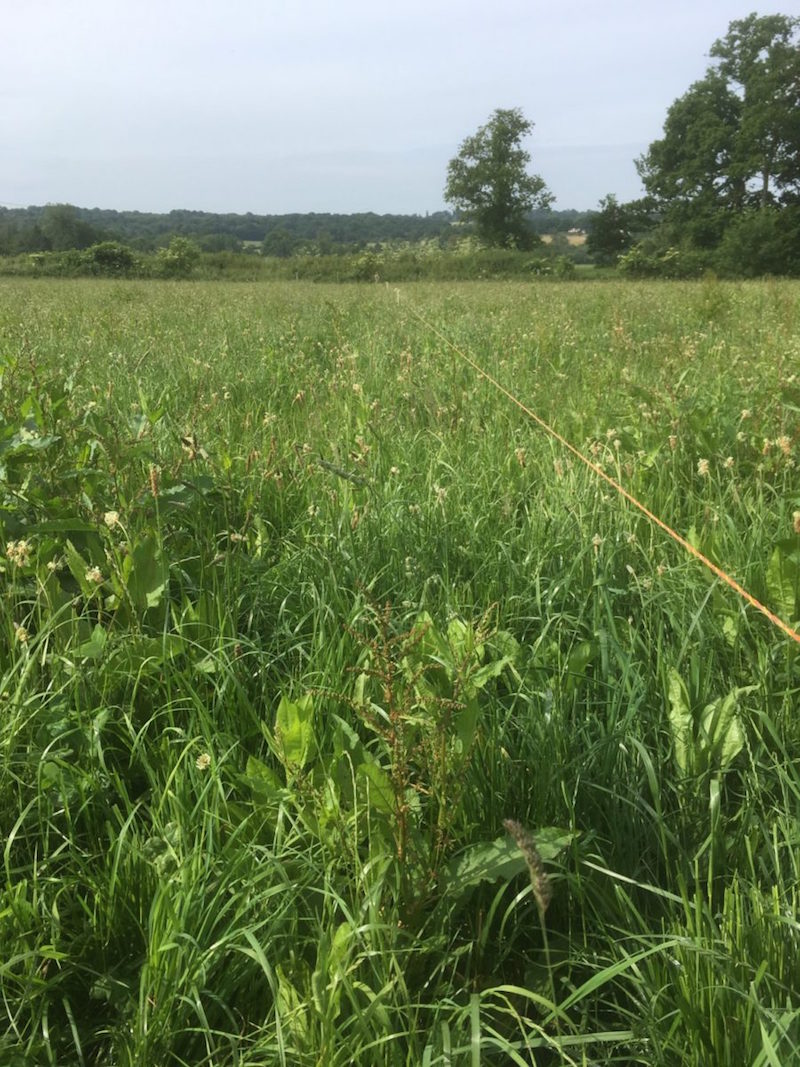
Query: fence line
x=721, y=574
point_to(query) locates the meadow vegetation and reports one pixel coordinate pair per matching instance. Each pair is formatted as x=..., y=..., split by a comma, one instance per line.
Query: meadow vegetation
x=346, y=719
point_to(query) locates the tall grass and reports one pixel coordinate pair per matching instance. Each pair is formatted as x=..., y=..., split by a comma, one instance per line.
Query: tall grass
x=305, y=611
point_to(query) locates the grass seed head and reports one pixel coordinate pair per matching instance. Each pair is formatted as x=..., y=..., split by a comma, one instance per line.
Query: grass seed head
x=540, y=883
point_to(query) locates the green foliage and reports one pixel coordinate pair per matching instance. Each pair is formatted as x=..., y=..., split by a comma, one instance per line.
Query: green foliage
x=298, y=613
x=648, y=261
x=704, y=740
x=783, y=579
x=110, y=258
x=731, y=144
x=64, y=229
x=179, y=259
x=761, y=241
x=278, y=242
x=614, y=228
x=489, y=184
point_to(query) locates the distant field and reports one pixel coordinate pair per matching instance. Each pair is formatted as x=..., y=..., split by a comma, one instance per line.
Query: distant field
x=297, y=611
x=575, y=239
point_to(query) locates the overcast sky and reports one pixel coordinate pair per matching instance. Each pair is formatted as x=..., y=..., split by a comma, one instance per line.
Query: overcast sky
x=333, y=105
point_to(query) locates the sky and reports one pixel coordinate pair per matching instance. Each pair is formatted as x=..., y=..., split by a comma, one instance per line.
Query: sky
x=273, y=106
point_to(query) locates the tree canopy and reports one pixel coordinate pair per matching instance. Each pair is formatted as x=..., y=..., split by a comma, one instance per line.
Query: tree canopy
x=732, y=141
x=489, y=184
x=724, y=179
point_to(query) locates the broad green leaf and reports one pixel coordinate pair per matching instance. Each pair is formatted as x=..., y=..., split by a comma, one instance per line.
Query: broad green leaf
x=680, y=718
x=506, y=644
x=93, y=648
x=431, y=644
x=461, y=639
x=381, y=795
x=730, y=628
x=721, y=729
x=294, y=729
x=291, y=1007
x=783, y=580
x=137, y=650
x=262, y=779
x=346, y=740
x=146, y=574
x=466, y=723
x=209, y=664
x=78, y=568
x=340, y=943
x=486, y=862
x=490, y=670
x=581, y=657
x=489, y=861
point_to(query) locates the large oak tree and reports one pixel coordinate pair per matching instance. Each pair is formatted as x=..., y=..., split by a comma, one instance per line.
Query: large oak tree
x=732, y=141
x=489, y=184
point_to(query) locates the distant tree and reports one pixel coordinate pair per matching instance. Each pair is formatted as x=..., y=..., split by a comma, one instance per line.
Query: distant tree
x=179, y=259
x=615, y=227
x=732, y=141
x=110, y=258
x=489, y=184
x=761, y=242
x=725, y=175
x=64, y=229
x=219, y=242
x=325, y=243
x=278, y=242
x=760, y=60
x=8, y=235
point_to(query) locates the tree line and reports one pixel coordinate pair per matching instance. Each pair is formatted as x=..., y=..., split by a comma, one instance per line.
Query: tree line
x=59, y=227
x=722, y=183
x=722, y=192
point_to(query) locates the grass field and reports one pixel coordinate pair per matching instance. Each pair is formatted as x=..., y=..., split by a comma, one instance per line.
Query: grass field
x=346, y=719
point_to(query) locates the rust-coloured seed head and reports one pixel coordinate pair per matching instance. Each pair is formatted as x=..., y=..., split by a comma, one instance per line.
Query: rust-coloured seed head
x=542, y=890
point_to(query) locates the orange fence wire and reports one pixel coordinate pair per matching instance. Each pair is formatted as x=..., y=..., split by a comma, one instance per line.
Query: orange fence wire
x=721, y=574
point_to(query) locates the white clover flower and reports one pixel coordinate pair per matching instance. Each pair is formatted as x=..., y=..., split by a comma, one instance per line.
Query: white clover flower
x=703, y=468
x=111, y=519
x=784, y=443
x=19, y=552
x=94, y=575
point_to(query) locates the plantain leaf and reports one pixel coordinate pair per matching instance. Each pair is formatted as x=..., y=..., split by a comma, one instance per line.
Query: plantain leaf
x=680, y=718
x=294, y=728
x=783, y=579
x=722, y=731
